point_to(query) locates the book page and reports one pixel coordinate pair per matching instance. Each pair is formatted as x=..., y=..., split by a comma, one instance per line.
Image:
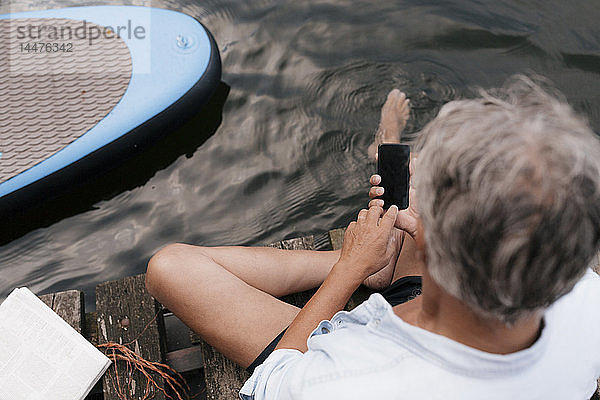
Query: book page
x=41, y=356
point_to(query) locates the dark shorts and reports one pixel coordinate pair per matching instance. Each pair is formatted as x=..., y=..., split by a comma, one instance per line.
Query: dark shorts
x=400, y=291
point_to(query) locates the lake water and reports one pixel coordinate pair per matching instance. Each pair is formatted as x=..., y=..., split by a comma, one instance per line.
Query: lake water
x=286, y=155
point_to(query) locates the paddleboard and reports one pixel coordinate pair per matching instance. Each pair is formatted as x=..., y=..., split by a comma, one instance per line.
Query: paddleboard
x=83, y=87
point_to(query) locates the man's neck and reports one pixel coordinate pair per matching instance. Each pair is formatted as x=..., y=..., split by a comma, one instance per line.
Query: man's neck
x=437, y=311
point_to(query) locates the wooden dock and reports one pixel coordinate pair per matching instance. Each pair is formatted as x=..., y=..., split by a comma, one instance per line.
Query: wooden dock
x=127, y=314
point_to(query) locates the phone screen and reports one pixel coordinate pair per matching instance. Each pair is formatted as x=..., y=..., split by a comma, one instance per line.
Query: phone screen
x=392, y=166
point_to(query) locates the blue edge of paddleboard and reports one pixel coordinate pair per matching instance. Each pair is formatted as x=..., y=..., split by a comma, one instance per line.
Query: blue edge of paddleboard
x=180, y=87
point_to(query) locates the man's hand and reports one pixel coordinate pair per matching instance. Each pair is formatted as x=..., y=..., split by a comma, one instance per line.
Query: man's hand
x=368, y=246
x=369, y=243
x=407, y=220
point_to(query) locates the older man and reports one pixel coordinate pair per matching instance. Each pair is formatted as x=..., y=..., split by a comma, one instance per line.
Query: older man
x=507, y=222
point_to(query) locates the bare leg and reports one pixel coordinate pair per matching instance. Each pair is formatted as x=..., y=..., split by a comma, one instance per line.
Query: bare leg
x=394, y=114
x=226, y=294
x=274, y=271
x=409, y=263
x=383, y=278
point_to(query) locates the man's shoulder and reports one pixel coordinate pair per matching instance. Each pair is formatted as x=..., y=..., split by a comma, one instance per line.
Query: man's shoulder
x=574, y=319
x=585, y=296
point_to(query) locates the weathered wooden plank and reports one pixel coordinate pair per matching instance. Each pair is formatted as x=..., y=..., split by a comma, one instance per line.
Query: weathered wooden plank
x=91, y=327
x=195, y=338
x=224, y=378
x=596, y=395
x=336, y=237
x=68, y=305
x=127, y=314
x=302, y=243
x=185, y=360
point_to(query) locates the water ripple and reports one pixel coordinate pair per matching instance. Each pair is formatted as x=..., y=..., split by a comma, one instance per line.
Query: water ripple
x=307, y=81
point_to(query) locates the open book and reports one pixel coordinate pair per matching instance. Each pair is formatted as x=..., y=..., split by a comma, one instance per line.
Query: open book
x=41, y=356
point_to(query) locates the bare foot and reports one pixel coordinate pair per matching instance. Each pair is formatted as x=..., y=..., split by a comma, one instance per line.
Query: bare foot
x=394, y=114
x=383, y=278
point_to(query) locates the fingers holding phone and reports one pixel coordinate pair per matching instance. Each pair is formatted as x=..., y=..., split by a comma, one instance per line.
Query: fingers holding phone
x=391, y=185
x=370, y=242
x=375, y=191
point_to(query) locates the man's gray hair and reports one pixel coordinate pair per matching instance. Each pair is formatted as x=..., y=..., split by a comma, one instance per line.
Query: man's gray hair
x=508, y=189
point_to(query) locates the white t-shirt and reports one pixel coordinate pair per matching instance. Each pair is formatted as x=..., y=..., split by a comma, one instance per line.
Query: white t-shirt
x=370, y=353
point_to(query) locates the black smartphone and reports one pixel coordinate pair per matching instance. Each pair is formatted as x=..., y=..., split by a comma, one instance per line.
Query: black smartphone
x=392, y=166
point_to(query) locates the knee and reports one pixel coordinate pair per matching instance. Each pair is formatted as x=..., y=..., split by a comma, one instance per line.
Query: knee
x=160, y=268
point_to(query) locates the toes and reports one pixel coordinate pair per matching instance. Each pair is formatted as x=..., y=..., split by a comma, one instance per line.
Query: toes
x=397, y=95
x=403, y=100
x=393, y=93
x=392, y=105
x=397, y=100
x=394, y=114
x=404, y=108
